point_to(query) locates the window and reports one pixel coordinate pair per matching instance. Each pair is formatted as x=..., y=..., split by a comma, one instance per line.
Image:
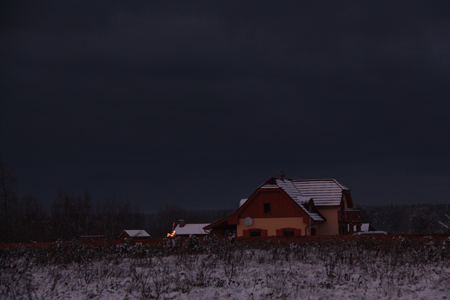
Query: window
x=313, y=231
x=288, y=232
x=267, y=208
x=255, y=232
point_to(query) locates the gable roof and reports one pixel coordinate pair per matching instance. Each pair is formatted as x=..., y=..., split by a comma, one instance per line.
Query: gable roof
x=188, y=229
x=324, y=192
x=136, y=233
x=291, y=191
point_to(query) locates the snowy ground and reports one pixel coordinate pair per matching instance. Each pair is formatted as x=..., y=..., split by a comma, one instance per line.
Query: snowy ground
x=399, y=270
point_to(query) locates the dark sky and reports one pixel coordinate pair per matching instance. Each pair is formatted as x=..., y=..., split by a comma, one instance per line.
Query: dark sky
x=198, y=103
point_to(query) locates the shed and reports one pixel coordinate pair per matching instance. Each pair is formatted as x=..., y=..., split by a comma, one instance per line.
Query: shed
x=134, y=233
x=196, y=229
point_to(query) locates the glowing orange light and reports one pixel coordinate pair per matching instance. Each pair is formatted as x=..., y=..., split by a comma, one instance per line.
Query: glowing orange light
x=174, y=233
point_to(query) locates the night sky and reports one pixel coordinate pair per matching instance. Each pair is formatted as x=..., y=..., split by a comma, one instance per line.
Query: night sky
x=198, y=103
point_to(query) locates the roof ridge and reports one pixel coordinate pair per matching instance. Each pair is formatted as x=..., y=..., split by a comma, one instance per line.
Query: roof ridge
x=292, y=184
x=323, y=179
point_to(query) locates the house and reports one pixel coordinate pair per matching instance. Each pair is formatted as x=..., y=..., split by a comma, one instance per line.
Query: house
x=184, y=229
x=138, y=234
x=293, y=207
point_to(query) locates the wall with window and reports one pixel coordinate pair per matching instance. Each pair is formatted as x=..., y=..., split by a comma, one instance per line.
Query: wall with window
x=272, y=226
x=270, y=204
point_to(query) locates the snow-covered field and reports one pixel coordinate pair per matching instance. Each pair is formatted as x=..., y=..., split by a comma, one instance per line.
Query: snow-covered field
x=397, y=269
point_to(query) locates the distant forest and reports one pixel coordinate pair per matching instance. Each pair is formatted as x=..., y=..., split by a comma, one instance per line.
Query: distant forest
x=72, y=217
x=23, y=219
x=405, y=218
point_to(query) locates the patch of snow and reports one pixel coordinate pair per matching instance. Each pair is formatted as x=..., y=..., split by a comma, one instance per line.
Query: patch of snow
x=242, y=202
x=293, y=272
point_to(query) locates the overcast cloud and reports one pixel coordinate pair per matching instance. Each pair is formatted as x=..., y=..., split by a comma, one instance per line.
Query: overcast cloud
x=197, y=104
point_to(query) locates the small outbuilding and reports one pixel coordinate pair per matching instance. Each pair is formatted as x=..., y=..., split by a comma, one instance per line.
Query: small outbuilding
x=135, y=233
x=196, y=229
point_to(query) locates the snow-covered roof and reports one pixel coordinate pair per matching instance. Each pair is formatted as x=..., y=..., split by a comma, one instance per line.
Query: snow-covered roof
x=324, y=192
x=194, y=229
x=242, y=201
x=138, y=233
x=269, y=186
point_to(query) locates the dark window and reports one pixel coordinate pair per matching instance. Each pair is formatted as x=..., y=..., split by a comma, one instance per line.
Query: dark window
x=255, y=232
x=288, y=232
x=267, y=208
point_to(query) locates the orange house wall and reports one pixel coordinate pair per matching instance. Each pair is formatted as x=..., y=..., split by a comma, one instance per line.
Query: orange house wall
x=271, y=225
x=331, y=226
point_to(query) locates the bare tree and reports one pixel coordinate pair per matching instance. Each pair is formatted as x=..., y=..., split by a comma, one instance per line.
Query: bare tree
x=85, y=206
x=33, y=220
x=65, y=217
x=114, y=215
x=424, y=221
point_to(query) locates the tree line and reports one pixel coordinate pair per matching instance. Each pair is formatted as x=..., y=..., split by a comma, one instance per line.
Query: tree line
x=23, y=219
x=72, y=217
x=408, y=218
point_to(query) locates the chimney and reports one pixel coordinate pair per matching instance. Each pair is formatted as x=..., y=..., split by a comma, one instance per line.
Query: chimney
x=181, y=223
x=281, y=176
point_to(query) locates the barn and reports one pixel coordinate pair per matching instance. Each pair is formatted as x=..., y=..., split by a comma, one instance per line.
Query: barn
x=293, y=207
